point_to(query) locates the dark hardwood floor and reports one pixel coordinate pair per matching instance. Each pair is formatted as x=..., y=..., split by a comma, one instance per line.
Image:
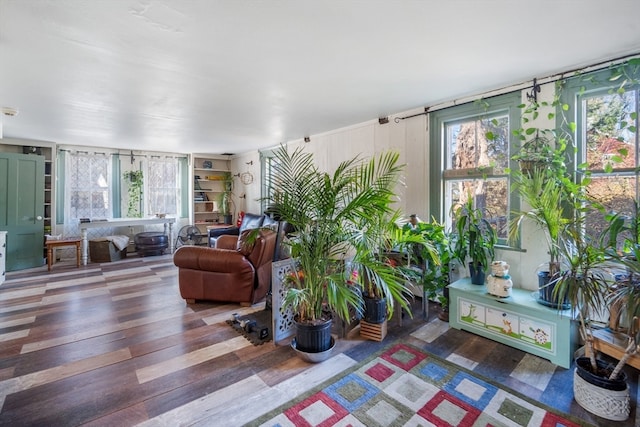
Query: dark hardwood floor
x=114, y=345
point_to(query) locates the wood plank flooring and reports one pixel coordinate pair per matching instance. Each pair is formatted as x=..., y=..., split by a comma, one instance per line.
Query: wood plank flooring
x=113, y=344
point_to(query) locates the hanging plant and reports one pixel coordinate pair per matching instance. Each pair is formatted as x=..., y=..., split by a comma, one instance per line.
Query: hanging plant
x=135, y=181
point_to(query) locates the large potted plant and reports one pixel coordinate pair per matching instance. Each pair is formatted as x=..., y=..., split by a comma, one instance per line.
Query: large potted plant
x=384, y=257
x=543, y=190
x=545, y=185
x=475, y=239
x=585, y=284
x=329, y=213
x=434, y=260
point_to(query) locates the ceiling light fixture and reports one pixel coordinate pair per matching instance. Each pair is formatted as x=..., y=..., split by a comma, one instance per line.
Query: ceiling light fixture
x=9, y=111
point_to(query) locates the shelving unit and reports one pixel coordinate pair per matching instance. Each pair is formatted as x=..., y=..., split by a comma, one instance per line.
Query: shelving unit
x=208, y=185
x=48, y=193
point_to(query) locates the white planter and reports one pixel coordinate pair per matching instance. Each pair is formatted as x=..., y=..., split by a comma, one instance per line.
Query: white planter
x=610, y=404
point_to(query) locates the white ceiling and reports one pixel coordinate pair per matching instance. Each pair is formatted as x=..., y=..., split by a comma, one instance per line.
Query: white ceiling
x=220, y=76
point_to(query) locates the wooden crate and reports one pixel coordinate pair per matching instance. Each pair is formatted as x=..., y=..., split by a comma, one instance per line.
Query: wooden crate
x=373, y=331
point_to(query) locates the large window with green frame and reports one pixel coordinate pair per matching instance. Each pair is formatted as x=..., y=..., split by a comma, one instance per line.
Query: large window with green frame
x=606, y=138
x=470, y=152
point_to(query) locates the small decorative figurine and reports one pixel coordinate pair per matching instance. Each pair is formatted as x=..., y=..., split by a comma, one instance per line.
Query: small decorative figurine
x=499, y=282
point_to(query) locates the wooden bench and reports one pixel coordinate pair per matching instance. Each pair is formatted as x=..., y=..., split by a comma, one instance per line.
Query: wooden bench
x=613, y=344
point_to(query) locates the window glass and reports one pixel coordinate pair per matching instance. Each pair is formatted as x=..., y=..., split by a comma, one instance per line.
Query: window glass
x=163, y=185
x=88, y=182
x=608, y=144
x=266, y=160
x=609, y=140
x=469, y=146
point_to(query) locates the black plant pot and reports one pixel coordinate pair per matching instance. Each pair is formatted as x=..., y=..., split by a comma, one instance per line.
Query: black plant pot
x=227, y=219
x=545, y=292
x=477, y=274
x=375, y=309
x=444, y=308
x=313, y=338
x=583, y=369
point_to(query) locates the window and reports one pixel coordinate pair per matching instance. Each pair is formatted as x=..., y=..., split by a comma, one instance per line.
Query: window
x=162, y=185
x=607, y=141
x=266, y=160
x=88, y=186
x=465, y=162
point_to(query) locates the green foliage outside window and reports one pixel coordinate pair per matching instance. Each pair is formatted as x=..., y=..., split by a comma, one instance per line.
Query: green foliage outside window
x=134, y=180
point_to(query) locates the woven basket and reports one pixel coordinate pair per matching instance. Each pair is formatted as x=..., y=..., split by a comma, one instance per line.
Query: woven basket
x=610, y=404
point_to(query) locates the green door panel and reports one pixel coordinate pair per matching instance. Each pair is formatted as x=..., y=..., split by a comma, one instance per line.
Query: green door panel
x=22, y=209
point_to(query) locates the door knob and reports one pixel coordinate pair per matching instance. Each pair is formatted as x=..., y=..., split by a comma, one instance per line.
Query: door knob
x=39, y=218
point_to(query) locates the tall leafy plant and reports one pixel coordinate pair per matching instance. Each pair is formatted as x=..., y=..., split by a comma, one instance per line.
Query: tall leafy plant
x=331, y=214
x=475, y=237
x=379, y=257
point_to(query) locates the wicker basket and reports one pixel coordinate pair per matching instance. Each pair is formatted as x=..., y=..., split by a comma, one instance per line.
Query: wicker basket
x=103, y=250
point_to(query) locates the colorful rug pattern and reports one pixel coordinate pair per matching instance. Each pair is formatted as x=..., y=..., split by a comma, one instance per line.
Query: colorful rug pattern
x=405, y=386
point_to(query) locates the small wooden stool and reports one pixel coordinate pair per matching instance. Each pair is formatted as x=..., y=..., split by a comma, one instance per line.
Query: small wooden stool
x=59, y=243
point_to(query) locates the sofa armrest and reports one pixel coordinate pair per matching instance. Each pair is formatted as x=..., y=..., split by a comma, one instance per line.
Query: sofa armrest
x=227, y=242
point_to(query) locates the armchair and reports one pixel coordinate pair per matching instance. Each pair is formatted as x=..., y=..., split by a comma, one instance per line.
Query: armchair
x=238, y=270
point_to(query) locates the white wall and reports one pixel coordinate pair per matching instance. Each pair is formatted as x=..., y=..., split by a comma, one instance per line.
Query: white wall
x=411, y=138
x=246, y=197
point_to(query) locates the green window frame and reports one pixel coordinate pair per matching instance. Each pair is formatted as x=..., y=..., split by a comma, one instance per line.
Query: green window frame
x=441, y=174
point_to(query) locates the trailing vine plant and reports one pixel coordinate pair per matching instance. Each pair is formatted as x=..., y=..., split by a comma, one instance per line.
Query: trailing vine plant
x=135, y=181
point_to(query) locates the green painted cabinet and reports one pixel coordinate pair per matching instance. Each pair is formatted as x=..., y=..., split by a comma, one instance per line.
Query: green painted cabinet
x=518, y=321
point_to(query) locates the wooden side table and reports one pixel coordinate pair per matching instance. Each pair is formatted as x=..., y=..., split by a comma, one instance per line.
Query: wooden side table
x=60, y=243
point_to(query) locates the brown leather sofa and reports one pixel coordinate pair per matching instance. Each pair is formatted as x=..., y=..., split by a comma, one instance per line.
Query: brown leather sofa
x=238, y=269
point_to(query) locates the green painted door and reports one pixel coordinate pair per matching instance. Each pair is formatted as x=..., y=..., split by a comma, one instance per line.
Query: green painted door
x=22, y=209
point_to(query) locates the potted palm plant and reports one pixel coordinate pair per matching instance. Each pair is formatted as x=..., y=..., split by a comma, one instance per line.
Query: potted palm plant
x=329, y=213
x=544, y=192
x=475, y=239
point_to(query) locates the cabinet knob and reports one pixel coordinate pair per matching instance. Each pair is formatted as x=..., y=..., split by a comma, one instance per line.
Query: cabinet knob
x=39, y=218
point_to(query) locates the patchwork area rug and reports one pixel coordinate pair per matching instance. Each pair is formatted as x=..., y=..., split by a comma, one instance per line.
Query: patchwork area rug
x=406, y=386
x=259, y=329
